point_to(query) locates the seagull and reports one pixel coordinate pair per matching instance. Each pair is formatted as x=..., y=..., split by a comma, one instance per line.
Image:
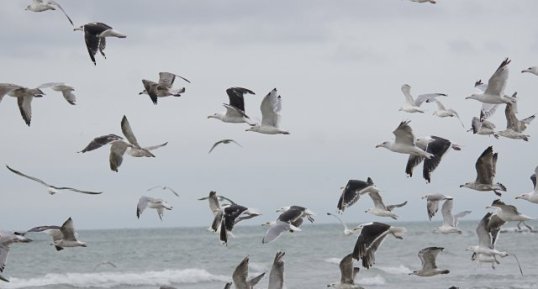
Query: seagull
x=163, y=88
x=488, y=231
x=223, y=141
x=119, y=146
x=494, y=93
x=483, y=127
x=24, y=97
x=488, y=109
x=532, y=69
x=6, y=239
x=235, y=110
x=240, y=275
x=352, y=192
x=44, y=5
x=290, y=219
x=51, y=189
x=347, y=231
x=432, y=203
x=434, y=145
x=380, y=209
x=216, y=208
x=163, y=188
x=270, y=107
x=276, y=276
x=413, y=105
x=515, y=127
x=424, y=1
x=95, y=34
x=228, y=285
x=66, y=90
x=485, y=174
x=153, y=203
x=450, y=222
x=404, y=142
x=62, y=237
x=370, y=238
x=347, y=274
x=109, y=263
x=442, y=111
x=429, y=268
x=508, y=213
x=532, y=196
x=231, y=215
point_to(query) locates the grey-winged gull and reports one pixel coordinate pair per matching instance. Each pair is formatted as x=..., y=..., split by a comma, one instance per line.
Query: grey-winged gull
x=424, y=1
x=482, y=127
x=223, y=141
x=62, y=237
x=66, y=90
x=411, y=104
x=240, y=275
x=235, y=109
x=290, y=219
x=427, y=256
x=347, y=230
x=404, y=142
x=352, y=192
x=485, y=174
x=24, y=97
x=154, y=203
x=432, y=203
x=514, y=126
x=162, y=88
x=533, y=195
x=508, y=213
x=347, y=274
x=437, y=146
x=370, y=238
x=44, y=5
x=164, y=188
x=51, y=189
x=95, y=34
x=450, y=221
x=276, y=276
x=6, y=239
x=442, y=111
x=494, y=93
x=270, y=108
x=380, y=209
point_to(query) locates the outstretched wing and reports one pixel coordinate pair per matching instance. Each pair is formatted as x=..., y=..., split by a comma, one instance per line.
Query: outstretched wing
x=100, y=141
x=27, y=176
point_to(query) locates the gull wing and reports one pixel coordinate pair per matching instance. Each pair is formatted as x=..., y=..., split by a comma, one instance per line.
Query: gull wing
x=275, y=230
x=488, y=109
x=412, y=162
x=404, y=134
x=233, y=111
x=406, y=90
x=351, y=193
x=167, y=79
x=27, y=176
x=128, y=132
x=482, y=232
x=378, y=201
x=117, y=149
x=92, y=44
x=235, y=94
x=369, y=234
x=25, y=108
x=270, y=107
x=511, y=120
x=533, y=178
x=63, y=11
x=150, y=148
x=347, y=270
x=4, y=250
x=428, y=256
x=497, y=81
x=240, y=274
x=66, y=90
x=428, y=97
x=68, y=230
x=460, y=215
x=485, y=168
x=100, y=141
x=276, y=276
x=142, y=205
x=446, y=210
x=437, y=147
x=391, y=207
x=215, y=145
x=5, y=88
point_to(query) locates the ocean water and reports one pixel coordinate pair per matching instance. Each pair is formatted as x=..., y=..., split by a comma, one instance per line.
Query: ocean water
x=192, y=258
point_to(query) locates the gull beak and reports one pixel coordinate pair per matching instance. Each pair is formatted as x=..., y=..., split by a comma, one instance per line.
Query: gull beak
x=378, y=146
x=461, y=186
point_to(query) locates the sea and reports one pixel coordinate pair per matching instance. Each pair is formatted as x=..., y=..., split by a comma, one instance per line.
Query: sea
x=193, y=258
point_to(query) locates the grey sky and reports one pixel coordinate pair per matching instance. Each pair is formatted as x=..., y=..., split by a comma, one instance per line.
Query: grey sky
x=337, y=65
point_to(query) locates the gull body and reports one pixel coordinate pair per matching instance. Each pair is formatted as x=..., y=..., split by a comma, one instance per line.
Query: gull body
x=532, y=196
x=494, y=93
x=347, y=274
x=154, y=203
x=412, y=105
x=380, y=209
x=508, y=213
x=44, y=5
x=427, y=256
x=95, y=34
x=442, y=111
x=235, y=109
x=270, y=108
x=432, y=203
x=485, y=170
x=162, y=88
x=24, y=97
x=240, y=275
x=62, y=237
x=450, y=221
x=404, y=142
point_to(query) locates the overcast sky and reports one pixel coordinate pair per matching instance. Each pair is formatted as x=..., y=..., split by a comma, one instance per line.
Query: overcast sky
x=338, y=66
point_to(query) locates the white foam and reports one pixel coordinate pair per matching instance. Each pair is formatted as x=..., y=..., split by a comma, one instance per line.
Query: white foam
x=377, y=280
x=115, y=279
x=401, y=270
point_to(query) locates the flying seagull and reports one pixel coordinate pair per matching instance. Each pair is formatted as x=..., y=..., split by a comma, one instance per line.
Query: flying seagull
x=434, y=145
x=432, y=203
x=405, y=142
x=231, y=215
x=442, y=111
x=485, y=173
x=240, y=275
x=427, y=256
x=508, y=213
x=44, y=5
x=413, y=105
x=24, y=97
x=450, y=222
x=162, y=88
x=109, y=263
x=163, y=188
x=270, y=107
x=347, y=274
x=158, y=204
x=223, y=141
x=514, y=126
x=352, y=192
x=216, y=208
x=483, y=127
x=532, y=69
x=347, y=231
x=488, y=109
x=290, y=219
x=370, y=238
x=66, y=90
x=532, y=196
x=494, y=93
x=51, y=189
x=95, y=34
x=6, y=239
x=276, y=276
x=235, y=110
x=62, y=237
x=380, y=209
x=424, y=1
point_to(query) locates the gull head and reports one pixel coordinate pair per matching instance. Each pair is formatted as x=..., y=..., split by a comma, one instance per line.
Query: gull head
x=80, y=28
x=143, y=92
x=523, y=197
x=382, y=145
x=532, y=69
x=52, y=191
x=473, y=96
x=253, y=128
x=29, y=7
